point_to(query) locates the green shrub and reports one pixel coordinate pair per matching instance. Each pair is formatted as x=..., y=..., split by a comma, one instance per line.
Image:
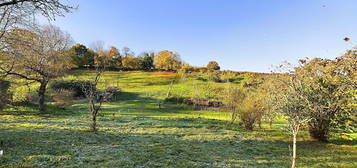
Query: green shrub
x=76, y=86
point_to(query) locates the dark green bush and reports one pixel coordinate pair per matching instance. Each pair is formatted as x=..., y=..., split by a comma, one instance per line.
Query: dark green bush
x=76, y=86
x=175, y=100
x=201, y=79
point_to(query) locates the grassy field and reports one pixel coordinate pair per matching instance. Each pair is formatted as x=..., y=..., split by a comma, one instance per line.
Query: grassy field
x=134, y=132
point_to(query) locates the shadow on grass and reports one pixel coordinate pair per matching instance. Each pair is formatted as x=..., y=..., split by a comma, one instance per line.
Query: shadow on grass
x=47, y=146
x=32, y=109
x=121, y=145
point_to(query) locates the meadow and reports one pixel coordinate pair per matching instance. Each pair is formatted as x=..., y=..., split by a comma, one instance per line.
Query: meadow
x=134, y=131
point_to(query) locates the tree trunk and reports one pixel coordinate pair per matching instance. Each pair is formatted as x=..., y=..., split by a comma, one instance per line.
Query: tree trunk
x=234, y=115
x=41, y=97
x=94, y=111
x=294, y=151
x=319, y=129
x=271, y=124
x=170, y=88
x=94, y=122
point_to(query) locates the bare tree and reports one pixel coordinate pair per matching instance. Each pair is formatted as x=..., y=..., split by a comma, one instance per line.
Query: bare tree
x=14, y=13
x=96, y=98
x=97, y=46
x=37, y=55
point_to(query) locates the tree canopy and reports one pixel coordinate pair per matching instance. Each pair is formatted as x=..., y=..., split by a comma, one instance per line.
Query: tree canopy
x=167, y=60
x=213, y=65
x=36, y=55
x=82, y=56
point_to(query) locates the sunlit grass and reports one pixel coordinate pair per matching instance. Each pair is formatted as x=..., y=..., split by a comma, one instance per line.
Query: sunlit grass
x=135, y=132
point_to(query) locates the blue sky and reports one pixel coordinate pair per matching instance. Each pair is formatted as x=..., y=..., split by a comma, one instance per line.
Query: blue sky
x=241, y=35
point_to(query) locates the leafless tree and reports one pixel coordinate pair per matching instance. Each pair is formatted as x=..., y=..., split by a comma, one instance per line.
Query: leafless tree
x=97, y=46
x=15, y=13
x=96, y=98
x=37, y=55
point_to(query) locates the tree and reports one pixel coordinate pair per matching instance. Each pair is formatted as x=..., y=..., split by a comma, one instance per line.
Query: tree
x=4, y=96
x=317, y=94
x=232, y=98
x=37, y=55
x=167, y=60
x=328, y=86
x=131, y=62
x=269, y=91
x=127, y=52
x=213, y=65
x=251, y=109
x=20, y=12
x=101, y=59
x=82, y=56
x=95, y=98
x=147, y=62
x=97, y=46
x=293, y=106
x=114, y=57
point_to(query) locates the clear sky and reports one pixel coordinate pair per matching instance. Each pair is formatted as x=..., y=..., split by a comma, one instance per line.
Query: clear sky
x=241, y=35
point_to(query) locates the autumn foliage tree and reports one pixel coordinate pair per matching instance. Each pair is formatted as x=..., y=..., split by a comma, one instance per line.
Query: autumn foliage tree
x=114, y=58
x=167, y=60
x=101, y=58
x=131, y=62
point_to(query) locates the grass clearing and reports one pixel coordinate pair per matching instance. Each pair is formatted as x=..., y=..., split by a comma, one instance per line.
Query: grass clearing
x=134, y=132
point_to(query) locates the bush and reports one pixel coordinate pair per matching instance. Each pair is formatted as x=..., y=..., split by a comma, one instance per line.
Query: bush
x=251, y=110
x=114, y=91
x=186, y=68
x=249, y=118
x=228, y=76
x=4, y=96
x=232, y=98
x=199, y=69
x=175, y=100
x=76, y=86
x=64, y=98
x=214, y=76
x=201, y=79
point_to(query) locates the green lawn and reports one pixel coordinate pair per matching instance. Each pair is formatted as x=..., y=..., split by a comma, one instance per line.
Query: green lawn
x=134, y=132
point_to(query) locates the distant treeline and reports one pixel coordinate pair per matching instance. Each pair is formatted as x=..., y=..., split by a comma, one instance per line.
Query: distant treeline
x=124, y=59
